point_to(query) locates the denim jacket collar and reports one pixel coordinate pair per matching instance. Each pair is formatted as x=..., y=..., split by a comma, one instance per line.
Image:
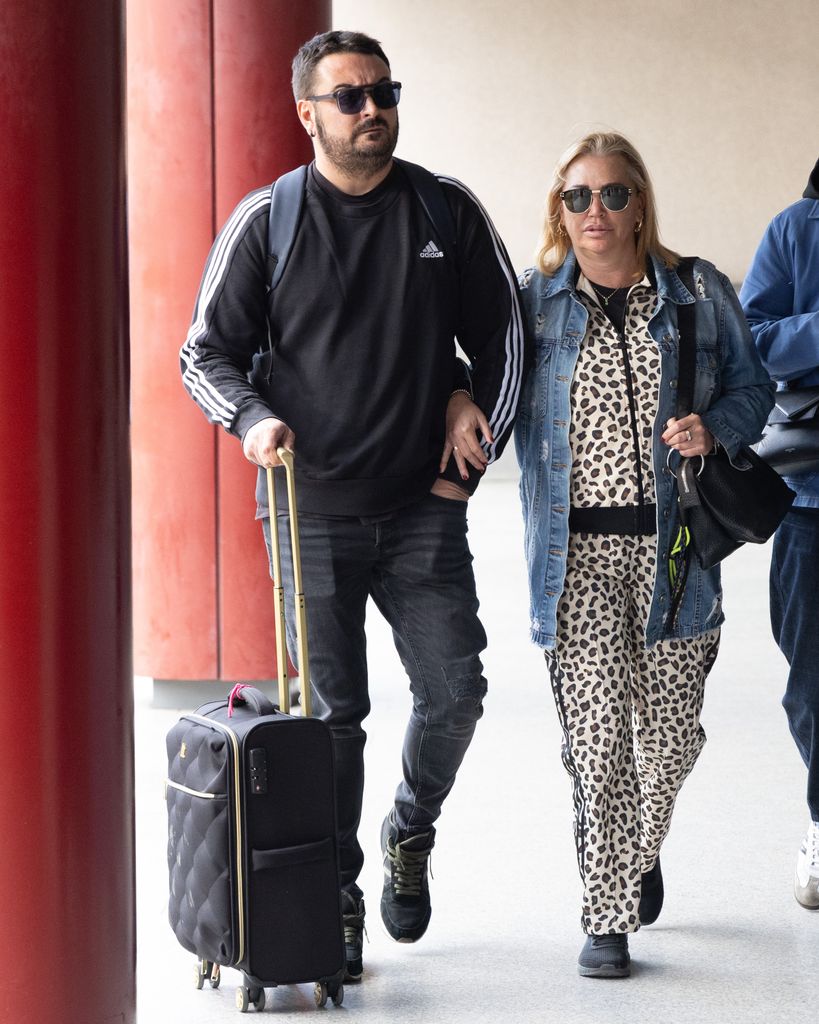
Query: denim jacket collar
x=563, y=279
x=669, y=286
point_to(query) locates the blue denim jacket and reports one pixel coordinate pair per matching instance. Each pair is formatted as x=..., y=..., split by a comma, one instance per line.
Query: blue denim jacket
x=733, y=394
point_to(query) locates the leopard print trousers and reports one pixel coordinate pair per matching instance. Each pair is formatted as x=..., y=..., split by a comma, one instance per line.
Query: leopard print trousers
x=630, y=720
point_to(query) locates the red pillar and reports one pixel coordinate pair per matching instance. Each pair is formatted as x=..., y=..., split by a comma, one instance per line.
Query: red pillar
x=66, y=736
x=211, y=116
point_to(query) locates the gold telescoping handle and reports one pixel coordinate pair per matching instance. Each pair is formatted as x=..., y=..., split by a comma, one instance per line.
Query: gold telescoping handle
x=286, y=457
x=278, y=596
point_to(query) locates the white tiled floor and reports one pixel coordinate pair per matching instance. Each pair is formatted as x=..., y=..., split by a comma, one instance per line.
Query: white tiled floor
x=731, y=944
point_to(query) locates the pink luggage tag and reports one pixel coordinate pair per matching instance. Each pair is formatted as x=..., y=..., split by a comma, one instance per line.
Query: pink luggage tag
x=235, y=694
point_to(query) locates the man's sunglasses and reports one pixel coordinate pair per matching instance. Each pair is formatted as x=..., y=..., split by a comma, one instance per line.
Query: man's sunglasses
x=351, y=98
x=613, y=197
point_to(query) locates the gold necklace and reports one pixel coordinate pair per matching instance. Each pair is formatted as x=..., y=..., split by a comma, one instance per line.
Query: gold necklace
x=602, y=295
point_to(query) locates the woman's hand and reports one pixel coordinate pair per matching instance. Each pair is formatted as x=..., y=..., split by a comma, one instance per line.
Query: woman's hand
x=463, y=421
x=689, y=436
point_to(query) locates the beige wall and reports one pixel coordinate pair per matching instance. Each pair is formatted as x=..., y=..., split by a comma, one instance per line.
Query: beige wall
x=719, y=97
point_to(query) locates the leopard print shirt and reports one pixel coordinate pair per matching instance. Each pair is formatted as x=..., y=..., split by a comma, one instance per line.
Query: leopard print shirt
x=604, y=465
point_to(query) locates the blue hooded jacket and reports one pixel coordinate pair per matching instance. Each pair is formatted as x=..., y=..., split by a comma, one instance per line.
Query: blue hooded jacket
x=780, y=296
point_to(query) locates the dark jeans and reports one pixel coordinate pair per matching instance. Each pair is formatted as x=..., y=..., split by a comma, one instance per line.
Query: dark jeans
x=417, y=567
x=795, y=622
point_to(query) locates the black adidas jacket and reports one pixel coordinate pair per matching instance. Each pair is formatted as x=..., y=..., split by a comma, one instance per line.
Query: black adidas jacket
x=355, y=350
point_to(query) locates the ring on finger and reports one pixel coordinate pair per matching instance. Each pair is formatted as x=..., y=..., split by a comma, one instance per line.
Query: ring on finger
x=454, y=447
x=688, y=434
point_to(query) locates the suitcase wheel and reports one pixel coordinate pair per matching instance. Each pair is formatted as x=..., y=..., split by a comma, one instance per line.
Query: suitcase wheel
x=333, y=990
x=206, y=970
x=245, y=996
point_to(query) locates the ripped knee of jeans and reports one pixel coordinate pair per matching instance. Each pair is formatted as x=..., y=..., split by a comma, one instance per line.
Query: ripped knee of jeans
x=465, y=681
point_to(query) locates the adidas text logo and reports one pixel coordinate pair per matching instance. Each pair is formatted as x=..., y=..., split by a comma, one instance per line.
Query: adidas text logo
x=431, y=252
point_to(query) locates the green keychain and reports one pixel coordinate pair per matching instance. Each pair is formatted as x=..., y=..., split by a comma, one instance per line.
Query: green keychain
x=678, y=557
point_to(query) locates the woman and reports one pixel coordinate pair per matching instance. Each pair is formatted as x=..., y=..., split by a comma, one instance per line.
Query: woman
x=596, y=436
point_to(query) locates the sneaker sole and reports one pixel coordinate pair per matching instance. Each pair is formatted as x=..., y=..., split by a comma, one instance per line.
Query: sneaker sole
x=404, y=939
x=605, y=971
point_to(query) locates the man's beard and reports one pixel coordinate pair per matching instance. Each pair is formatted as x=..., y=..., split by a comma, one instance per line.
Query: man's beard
x=355, y=162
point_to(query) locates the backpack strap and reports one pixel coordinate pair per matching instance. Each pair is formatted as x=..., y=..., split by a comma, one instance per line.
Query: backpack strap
x=431, y=194
x=286, y=201
x=687, y=327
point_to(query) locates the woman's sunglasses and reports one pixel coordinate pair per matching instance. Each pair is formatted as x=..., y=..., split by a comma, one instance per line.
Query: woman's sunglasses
x=351, y=98
x=613, y=197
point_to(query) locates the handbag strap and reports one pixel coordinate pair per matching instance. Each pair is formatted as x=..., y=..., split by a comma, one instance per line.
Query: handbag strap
x=679, y=556
x=687, y=350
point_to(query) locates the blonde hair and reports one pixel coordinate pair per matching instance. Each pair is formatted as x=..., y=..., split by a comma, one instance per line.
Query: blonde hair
x=554, y=242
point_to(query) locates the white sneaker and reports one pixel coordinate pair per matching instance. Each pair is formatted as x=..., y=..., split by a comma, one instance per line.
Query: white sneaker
x=806, y=883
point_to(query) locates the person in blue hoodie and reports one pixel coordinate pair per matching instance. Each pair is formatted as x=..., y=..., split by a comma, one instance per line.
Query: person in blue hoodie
x=780, y=296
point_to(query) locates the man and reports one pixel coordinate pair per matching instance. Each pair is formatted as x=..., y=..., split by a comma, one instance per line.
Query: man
x=781, y=300
x=355, y=370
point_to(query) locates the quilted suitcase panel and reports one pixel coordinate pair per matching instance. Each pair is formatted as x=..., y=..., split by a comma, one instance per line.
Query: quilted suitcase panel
x=201, y=904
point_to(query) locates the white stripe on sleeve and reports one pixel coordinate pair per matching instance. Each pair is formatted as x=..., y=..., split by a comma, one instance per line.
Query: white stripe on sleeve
x=218, y=408
x=503, y=413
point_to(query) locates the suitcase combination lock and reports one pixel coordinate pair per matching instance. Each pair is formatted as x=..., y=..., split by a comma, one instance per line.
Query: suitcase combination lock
x=258, y=771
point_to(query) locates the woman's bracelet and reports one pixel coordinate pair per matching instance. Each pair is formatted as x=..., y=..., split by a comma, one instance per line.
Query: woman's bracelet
x=462, y=391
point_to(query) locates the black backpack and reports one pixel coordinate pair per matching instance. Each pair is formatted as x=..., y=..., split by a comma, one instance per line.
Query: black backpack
x=287, y=199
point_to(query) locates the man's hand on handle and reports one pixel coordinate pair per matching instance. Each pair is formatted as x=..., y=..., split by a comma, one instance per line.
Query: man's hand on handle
x=264, y=438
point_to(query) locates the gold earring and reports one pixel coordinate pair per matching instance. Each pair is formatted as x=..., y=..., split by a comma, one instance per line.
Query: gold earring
x=560, y=229
x=638, y=227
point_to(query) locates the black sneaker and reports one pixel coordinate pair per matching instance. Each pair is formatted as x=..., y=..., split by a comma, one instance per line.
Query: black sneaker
x=651, y=894
x=353, y=915
x=605, y=956
x=405, y=907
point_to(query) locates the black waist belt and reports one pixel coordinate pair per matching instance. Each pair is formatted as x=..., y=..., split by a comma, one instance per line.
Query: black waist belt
x=631, y=520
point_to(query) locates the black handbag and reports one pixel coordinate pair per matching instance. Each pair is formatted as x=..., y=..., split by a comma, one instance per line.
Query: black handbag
x=727, y=504
x=724, y=503
x=790, y=442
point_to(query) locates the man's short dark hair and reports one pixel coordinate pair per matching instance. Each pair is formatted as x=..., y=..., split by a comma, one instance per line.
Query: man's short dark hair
x=320, y=46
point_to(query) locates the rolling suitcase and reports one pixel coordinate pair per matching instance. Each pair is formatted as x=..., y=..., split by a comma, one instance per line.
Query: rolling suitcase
x=252, y=848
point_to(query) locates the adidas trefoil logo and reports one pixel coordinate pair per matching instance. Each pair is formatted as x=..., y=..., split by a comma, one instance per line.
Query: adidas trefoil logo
x=431, y=252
